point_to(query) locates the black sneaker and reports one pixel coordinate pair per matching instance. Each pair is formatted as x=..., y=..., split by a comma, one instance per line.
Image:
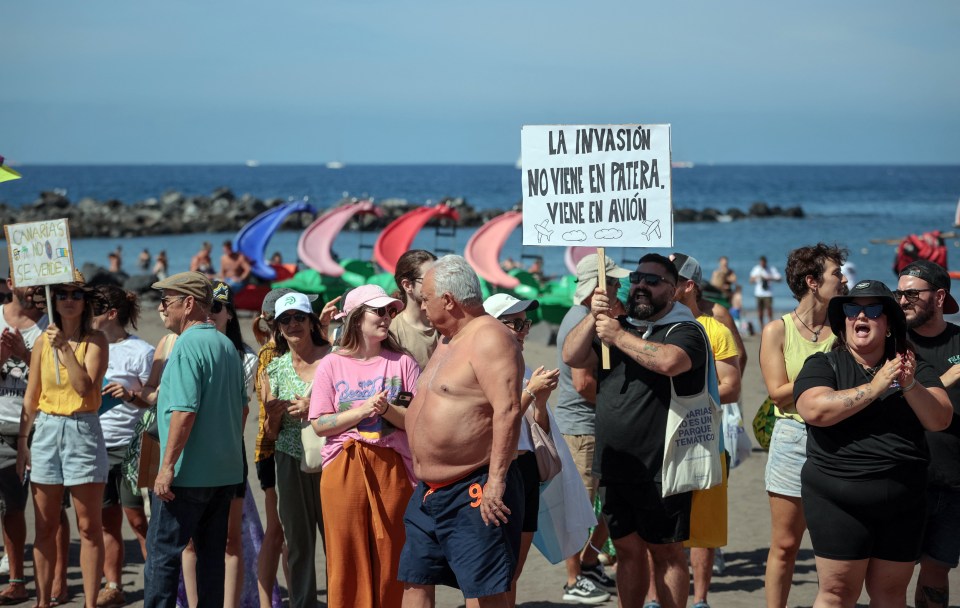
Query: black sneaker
x=584, y=592
x=596, y=574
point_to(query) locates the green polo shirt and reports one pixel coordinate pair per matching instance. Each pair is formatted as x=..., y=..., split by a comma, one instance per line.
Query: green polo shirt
x=204, y=376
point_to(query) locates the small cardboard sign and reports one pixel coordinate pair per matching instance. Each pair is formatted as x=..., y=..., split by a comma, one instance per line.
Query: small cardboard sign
x=40, y=252
x=597, y=185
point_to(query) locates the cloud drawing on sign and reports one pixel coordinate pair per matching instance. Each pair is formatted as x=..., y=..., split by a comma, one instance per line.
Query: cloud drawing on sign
x=608, y=233
x=575, y=235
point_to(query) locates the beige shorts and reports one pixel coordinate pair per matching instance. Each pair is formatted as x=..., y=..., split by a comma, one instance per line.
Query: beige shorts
x=581, y=448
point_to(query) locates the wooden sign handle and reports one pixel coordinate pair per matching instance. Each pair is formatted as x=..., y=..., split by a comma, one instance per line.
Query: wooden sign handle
x=602, y=283
x=56, y=357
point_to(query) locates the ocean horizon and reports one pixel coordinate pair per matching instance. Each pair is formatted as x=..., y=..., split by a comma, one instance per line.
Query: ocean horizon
x=845, y=204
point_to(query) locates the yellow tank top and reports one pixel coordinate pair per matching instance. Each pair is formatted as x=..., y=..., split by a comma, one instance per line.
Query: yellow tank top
x=796, y=349
x=61, y=399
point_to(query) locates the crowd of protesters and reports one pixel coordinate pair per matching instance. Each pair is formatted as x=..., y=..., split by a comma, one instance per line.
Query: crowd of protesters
x=407, y=430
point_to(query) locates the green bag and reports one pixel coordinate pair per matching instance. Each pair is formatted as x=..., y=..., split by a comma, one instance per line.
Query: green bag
x=763, y=422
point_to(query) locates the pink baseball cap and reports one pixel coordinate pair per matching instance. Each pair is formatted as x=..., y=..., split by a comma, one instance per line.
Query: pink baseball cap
x=372, y=296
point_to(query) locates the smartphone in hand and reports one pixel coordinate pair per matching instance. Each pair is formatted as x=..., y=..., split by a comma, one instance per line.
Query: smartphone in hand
x=403, y=399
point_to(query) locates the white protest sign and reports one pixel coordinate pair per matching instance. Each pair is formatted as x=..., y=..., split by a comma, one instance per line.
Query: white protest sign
x=40, y=252
x=597, y=185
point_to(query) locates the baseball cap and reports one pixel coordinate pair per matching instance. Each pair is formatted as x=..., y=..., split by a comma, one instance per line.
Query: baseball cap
x=587, y=273
x=269, y=303
x=937, y=276
x=222, y=293
x=190, y=283
x=292, y=301
x=688, y=267
x=368, y=295
x=500, y=304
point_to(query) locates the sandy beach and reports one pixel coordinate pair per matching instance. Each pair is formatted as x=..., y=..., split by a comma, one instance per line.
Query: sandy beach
x=741, y=586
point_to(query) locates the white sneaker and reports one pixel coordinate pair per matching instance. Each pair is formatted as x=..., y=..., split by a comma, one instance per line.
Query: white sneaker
x=719, y=563
x=584, y=592
x=5, y=564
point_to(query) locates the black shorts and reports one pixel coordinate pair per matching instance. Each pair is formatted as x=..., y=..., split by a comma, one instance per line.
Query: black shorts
x=267, y=472
x=13, y=492
x=530, y=475
x=448, y=544
x=639, y=507
x=241, y=490
x=853, y=519
x=117, y=491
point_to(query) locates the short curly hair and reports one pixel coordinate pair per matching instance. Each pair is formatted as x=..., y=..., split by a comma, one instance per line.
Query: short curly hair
x=810, y=261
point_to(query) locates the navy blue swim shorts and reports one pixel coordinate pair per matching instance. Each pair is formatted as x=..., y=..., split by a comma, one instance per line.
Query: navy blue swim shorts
x=448, y=543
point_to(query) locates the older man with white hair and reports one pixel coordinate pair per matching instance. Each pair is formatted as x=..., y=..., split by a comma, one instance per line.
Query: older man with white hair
x=463, y=521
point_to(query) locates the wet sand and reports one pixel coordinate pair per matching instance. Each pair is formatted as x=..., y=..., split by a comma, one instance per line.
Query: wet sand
x=741, y=586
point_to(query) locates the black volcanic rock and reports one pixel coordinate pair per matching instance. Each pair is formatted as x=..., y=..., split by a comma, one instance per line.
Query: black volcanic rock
x=222, y=211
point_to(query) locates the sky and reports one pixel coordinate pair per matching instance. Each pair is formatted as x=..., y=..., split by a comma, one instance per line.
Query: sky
x=370, y=81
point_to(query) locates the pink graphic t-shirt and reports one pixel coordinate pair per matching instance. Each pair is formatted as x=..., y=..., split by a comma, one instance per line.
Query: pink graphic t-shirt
x=342, y=383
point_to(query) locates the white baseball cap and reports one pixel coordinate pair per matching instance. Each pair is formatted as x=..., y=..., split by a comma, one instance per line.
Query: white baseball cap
x=500, y=304
x=292, y=301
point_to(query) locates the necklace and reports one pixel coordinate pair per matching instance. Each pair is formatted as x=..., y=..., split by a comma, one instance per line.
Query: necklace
x=870, y=372
x=816, y=334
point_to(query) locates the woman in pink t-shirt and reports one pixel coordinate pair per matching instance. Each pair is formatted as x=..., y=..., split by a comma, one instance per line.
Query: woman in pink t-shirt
x=367, y=475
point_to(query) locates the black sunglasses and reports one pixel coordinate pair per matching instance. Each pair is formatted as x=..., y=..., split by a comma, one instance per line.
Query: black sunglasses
x=75, y=295
x=912, y=295
x=384, y=311
x=518, y=325
x=100, y=308
x=216, y=307
x=649, y=278
x=299, y=317
x=852, y=311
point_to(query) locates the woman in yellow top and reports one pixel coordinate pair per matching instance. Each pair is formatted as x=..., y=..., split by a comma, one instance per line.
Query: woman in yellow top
x=68, y=449
x=814, y=277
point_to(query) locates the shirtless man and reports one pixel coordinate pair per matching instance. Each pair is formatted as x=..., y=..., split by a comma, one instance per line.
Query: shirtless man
x=234, y=267
x=465, y=514
x=201, y=262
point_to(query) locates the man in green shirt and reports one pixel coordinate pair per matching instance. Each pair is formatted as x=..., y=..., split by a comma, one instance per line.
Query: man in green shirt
x=199, y=410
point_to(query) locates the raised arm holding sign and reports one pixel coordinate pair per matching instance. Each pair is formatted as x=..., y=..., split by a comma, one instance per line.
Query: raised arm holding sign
x=597, y=185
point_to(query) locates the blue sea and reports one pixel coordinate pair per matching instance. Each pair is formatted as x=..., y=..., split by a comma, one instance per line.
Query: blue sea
x=849, y=205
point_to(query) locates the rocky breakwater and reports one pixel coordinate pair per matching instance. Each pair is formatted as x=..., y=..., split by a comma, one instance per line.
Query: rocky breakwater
x=223, y=211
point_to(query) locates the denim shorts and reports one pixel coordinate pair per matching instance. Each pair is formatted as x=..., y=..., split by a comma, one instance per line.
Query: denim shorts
x=941, y=541
x=788, y=452
x=68, y=450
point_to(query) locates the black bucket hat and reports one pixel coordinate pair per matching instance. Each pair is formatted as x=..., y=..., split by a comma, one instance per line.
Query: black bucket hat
x=896, y=320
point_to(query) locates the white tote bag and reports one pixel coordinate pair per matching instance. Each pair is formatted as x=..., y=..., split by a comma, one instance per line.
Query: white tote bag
x=736, y=441
x=312, y=446
x=691, y=454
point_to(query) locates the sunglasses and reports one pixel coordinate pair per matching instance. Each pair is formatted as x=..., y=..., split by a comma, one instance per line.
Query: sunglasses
x=852, y=311
x=518, y=325
x=299, y=317
x=76, y=295
x=167, y=301
x=100, y=308
x=216, y=307
x=912, y=295
x=649, y=278
x=384, y=311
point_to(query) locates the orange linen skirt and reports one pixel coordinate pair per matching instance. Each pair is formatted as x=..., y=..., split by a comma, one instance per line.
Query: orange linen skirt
x=364, y=492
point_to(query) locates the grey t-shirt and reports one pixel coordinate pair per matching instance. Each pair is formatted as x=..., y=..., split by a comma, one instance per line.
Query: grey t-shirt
x=574, y=414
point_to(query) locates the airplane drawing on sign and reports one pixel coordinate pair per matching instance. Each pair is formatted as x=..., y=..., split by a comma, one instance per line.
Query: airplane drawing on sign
x=542, y=231
x=653, y=227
